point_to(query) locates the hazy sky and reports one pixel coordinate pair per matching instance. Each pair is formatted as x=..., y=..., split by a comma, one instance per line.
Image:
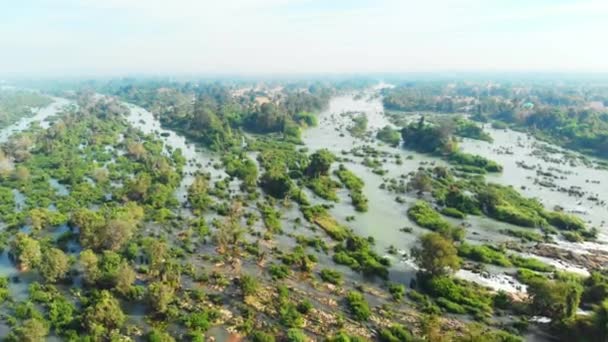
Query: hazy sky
x=297, y=36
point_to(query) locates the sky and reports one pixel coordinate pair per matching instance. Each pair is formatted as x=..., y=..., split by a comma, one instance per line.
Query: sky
x=118, y=37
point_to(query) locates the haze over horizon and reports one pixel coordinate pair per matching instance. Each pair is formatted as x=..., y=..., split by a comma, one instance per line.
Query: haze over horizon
x=105, y=37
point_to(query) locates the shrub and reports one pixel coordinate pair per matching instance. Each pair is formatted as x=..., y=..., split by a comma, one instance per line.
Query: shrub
x=453, y=212
x=296, y=335
x=358, y=306
x=396, y=290
x=278, y=271
x=259, y=336
x=331, y=276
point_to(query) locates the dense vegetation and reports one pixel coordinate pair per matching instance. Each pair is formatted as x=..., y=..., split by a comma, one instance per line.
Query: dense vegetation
x=17, y=104
x=105, y=225
x=560, y=113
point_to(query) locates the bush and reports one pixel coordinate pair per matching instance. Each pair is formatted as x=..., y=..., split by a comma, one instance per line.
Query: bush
x=396, y=290
x=249, y=285
x=259, y=336
x=395, y=333
x=331, y=276
x=358, y=306
x=304, y=306
x=356, y=253
x=453, y=212
x=296, y=335
x=425, y=216
x=484, y=253
x=472, y=297
x=450, y=306
x=290, y=316
x=278, y=271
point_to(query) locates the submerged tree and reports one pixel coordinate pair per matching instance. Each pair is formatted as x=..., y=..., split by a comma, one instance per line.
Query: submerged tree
x=27, y=251
x=54, y=265
x=436, y=255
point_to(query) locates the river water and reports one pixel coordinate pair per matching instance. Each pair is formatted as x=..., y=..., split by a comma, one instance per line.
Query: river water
x=385, y=216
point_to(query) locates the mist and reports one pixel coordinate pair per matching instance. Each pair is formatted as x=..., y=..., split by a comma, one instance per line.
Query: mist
x=252, y=37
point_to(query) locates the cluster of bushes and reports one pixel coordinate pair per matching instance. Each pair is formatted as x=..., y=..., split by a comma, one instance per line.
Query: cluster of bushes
x=458, y=296
x=320, y=216
x=488, y=254
x=331, y=276
x=389, y=136
x=324, y=187
x=356, y=252
x=473, y=162
x=469, y=129
x=355, y=185
x=425, y=216
x=358, y=306
x=17, y=104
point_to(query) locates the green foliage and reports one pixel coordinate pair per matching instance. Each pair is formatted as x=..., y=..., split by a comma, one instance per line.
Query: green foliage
x=396, y=290
x=556, y=299
x=103, y=314
x=355, y=185
x=486, y=254
x=290, y=317
x=32, y=330
x=260, y=336
x=160, y=295
x=249, y=285
x=425, y=216
x=436, y=255
x=505, y=204
x=271, y=217
x=357, y=253
x=296, y=335
x=320, y=216
x=395, y=333
x=358, y=306
x=243, y=168
x=453, y=212
x=198, y=194
x=359, y=126
x=278, y=271
x=427, y=138
x=4, y=292
x=331, y=276
x=469, y=129
x=54, y=265
x=470, y=160
x=473, y=298
x=389, y=136
x=324, y=187
x=17, y=104
x=320, y=163
x=157, y=335
x=27, y=251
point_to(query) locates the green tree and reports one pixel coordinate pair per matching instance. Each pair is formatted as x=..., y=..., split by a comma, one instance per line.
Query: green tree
x=125, y=278
x=556, y=299
x=104, y=314
x=27, y=251
x=54, y=265
x=320, y=163
x=32, y=330
x=436, y=255
x=160, y=295
x=600, y=321
x=90, y=265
